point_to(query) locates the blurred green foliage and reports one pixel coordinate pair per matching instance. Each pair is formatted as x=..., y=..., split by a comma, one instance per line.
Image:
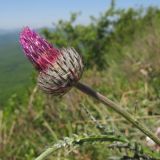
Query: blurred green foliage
x=15, y=71
x=103, y=36
x=122, y=55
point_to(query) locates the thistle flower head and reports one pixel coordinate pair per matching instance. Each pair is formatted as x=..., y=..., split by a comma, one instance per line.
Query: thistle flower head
x=58, y=69
x=37, y=49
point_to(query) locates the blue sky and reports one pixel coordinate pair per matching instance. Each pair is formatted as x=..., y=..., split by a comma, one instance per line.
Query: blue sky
x=40, y=13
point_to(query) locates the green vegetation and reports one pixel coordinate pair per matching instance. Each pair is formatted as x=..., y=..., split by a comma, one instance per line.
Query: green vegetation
x=14, y=68
x=122, y=55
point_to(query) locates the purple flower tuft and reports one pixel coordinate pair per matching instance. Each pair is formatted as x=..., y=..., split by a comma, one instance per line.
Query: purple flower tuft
x=59, y=69
x=37, y=49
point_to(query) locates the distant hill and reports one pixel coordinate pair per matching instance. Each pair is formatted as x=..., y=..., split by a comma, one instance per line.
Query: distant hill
x=5, y=31
x=15, y=71
x=7, y=38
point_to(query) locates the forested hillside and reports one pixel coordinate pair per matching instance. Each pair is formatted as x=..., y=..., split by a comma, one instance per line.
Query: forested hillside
x=15, y=70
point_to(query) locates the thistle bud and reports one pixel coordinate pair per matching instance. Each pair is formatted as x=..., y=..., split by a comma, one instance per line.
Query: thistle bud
x=59, y=69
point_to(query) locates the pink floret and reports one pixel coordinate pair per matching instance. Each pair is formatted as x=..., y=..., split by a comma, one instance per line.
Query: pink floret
x=40, y=52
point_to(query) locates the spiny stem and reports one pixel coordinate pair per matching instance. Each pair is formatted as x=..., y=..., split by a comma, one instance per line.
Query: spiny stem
x=79, y=141
x=102, y=138
x=117, y=108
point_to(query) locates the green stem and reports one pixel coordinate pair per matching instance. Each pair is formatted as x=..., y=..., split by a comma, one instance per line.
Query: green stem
x=46, y=153
x=117, y=108
x=78, y=141
x=101, y=138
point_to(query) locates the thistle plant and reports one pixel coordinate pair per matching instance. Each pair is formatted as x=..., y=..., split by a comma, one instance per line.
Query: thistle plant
x=61, y=69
